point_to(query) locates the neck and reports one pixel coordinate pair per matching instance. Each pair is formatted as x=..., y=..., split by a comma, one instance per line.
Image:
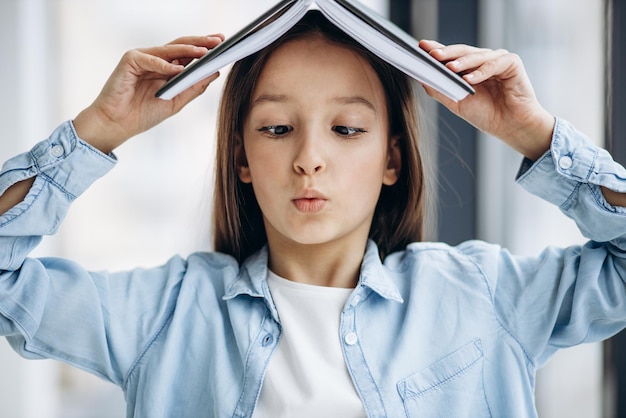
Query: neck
x=335, y=264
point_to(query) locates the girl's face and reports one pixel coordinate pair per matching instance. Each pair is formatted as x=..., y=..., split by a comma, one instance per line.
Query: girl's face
x=315, y=144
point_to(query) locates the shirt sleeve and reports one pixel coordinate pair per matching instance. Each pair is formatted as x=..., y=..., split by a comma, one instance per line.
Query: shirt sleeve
x=566, y=296
x=570, y=175
x=53, y=308
x=64, y=167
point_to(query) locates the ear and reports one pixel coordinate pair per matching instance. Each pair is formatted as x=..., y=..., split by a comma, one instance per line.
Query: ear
x=241, y=161
x=394, y=162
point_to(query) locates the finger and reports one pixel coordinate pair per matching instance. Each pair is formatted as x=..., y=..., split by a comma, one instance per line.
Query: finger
x=180, y=52
x=183, y=61
x=192, y=40
x=440, y=97
x=192, y=92
x=479, y=67
x=428, y=45
x=475, y=59
x=453, y=52
x=142, y=63
x=210, y=41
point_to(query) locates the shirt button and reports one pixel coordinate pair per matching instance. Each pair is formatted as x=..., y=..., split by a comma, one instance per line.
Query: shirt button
x=355, y=300
x=351, y=338
x=57, y=151
x=565, y=162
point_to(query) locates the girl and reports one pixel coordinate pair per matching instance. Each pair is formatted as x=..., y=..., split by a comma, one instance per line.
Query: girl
x=321, y=299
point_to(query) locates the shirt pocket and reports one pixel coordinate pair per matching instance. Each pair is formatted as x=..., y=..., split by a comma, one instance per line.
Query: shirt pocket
x=450, y=387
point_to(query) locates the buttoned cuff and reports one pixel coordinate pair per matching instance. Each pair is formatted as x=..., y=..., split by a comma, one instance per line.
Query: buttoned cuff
x=64, y=159
x=569, y=176
x=63, y=166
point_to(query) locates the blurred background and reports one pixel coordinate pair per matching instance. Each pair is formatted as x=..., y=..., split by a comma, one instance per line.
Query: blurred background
x=56, y=54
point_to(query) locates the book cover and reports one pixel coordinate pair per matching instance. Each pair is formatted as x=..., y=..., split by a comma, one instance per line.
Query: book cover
x=374, y=32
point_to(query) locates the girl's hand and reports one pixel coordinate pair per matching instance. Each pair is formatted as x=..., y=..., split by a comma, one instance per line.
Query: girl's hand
x=504, y=104
x=126, y=105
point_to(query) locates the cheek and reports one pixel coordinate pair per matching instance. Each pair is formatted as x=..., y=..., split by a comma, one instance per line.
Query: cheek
x=368, y=160
x=362, y=174
x=268, y=171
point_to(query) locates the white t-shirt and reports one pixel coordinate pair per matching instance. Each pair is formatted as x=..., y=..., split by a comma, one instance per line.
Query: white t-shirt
x=307, y=375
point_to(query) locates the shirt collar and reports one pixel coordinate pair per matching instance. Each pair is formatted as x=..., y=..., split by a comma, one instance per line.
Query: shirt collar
x=376, y=277
x=252, y=279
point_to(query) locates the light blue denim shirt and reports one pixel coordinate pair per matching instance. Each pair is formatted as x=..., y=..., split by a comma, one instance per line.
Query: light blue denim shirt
x=433, y=331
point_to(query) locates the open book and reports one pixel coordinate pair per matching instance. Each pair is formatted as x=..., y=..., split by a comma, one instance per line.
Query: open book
x=377, y=34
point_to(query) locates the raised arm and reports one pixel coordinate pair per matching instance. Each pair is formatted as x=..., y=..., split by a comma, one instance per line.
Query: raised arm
x=52, y=307
x=505, y=104
x=126, y=106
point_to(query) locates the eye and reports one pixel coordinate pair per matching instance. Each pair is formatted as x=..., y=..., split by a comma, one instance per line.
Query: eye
x=348, y=131
x=276, y=130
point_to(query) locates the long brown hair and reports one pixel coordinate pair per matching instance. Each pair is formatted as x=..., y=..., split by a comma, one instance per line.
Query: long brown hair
x=237, y=219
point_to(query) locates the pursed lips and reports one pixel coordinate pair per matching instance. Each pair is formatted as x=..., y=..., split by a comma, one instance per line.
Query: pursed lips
x=310, y=201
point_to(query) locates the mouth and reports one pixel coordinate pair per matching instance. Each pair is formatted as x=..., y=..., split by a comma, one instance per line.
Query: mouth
x=309, y=205
x=310, y=201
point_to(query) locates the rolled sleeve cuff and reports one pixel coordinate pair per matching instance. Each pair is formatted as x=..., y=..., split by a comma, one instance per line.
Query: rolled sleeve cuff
x=64, y=167
x=64, y=159
x=569, y=176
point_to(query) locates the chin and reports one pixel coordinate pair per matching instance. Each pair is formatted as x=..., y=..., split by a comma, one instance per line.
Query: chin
x=318, y=239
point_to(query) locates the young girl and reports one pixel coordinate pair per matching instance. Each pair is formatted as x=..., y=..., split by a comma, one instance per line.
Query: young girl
x=321, y=299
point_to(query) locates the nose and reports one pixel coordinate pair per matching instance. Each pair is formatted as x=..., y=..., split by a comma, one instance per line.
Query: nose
x=309, y=158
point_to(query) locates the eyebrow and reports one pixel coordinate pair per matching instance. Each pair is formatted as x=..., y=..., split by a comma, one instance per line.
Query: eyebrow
x=355, y=100
x=345, y=100
x=270, y=98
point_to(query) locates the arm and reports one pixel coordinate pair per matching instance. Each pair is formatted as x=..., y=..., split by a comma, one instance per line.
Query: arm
x=505, y=104
x=565, y=296
x=15, y=194
x=614, y=198
x=126, y=105
x=51, y=307
x=568, y=296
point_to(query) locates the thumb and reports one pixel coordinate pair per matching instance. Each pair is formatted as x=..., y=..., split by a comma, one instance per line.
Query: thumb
x=440, y=97
x=192, y=92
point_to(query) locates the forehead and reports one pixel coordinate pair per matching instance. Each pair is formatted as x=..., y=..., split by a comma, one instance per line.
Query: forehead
x=316, y=63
